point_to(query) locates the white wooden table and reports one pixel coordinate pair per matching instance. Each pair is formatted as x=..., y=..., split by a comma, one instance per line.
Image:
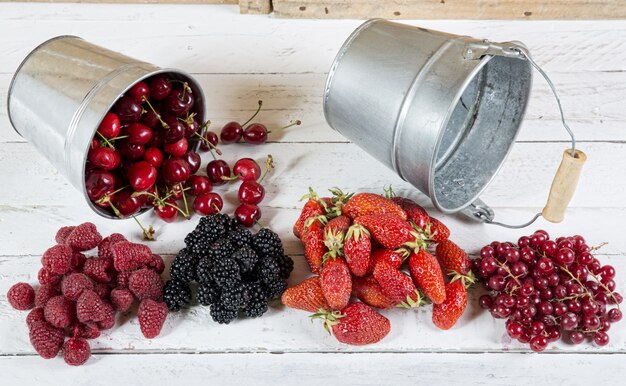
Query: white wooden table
x=240, y=59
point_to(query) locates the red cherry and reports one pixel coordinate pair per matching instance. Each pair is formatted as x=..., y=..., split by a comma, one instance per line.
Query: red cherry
x=160, y=87
x=110, y=126
x=246, y=169
x=217, y=169
x=157, y=139
x=126, y=203
x=153, y=156
x=142, y=175
x=174, y=192
x=139, y=91
x=251, y=192
x=255, y=134
x=138, y=133
x=179, y=102
x=151, y=118
x=178, y=148
x=98, y=183
x=175, y=130
x=175, y=170
x=129, y=150
x=94, y=143
x=208, y=203
x=231, y=132
x=247, y=214
x=167, y=213
x=211, y=137
x=193, y=159
x=199, y=185
x=128, y=109
x=104, y=158
x=191, y=127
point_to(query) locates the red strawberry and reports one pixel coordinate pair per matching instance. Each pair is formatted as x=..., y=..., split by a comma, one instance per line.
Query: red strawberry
x=388, y=229
x=362, y=204
x=453, y=259
x=339, y=224
x=357, y=249
x=397, y=286
x=414, y=213
x=447, y=313
x=314, y=247
x=367, y=290
x=426, y=273
x=356, y=324
x=393, y=258
x=307, y=296
x=313, y=207
x=437, y=231
x=336, y=283
x=334, y=234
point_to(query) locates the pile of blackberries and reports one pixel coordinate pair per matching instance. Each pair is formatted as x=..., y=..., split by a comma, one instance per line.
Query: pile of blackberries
x=236, y=271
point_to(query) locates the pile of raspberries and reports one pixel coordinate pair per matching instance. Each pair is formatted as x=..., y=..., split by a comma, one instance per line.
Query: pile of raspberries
x=80, y=295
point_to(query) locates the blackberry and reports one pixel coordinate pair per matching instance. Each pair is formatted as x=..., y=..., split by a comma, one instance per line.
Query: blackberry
x=240, y=237
x=234, y=296
x=202, y=271
x=192, y=238
x=257, y=305
x=184, y=266
x=208, y=293
x=285, y=263
x=221, y=314
x=176, y=294
x=200, y=248
x=225, y=271
x=214, y=226
x=221, y=249
x=268, y=270
x=274, y=289
x=247, y=259
x=266, y=243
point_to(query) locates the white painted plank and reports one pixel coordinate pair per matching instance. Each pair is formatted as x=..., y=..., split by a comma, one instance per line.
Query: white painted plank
x=309, y=369
x=594, y=106
x=217, y=39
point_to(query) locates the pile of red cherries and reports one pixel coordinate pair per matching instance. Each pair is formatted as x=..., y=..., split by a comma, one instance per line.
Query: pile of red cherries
x=548, y=289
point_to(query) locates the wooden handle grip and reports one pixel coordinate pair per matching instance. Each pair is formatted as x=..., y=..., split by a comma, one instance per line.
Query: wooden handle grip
x=564, y=185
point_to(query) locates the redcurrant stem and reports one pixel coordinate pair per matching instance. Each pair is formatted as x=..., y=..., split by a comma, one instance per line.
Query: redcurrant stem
x=576, y=280
x=269, y=165
x=297, y=122
x=605, y=288
x=165, y=125
x=595, y=248
x=255, y=114
x=509, y=272
x=184, y=200
x=106, y=141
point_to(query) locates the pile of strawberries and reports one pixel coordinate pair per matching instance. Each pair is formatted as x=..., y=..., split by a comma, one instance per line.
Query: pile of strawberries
x=360, y=246
x=79, y=295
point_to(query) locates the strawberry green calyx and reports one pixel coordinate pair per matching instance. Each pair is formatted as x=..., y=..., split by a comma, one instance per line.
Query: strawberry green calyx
x=330, y=318
x=412, y=303
x=389, y=193
x=356, y=231
x=404, y=252
x=319, y=217
x=334, y=243
x=420, y=240
x=467, y=280
x=338, y=199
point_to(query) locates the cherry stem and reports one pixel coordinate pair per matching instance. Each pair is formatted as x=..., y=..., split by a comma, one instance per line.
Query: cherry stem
x=269, y=165
x=176, y=207
x=255, y=114
x=184, y=199
x=231, y=178
x=147, y=233
x=165, y=125
x=120, y=137
x=218, y=210
x=106, y=141
x=297, y=122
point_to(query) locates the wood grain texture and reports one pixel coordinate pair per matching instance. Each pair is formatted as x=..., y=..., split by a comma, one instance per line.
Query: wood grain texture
x=452, y=9
x=256, y=7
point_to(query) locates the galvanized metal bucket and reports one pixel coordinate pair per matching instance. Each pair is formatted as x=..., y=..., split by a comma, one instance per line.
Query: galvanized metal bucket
x=441, y=110
x=63, y=89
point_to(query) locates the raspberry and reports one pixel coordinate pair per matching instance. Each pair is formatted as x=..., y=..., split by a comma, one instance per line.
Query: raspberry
x=104, y=248
x=84, y=237
x=99, y=269
x=21, y=296
x=87, y=330
x=146, y=284
x=156, y=264
x=35, y=315
x=103, y=290
x=122, y=299
x=46, y=340
x=128, y=256
x=45, y=276
x=109, y=317
x=76, y=351
x=90, y=308
x=62, y=234
x=151, y=316
x=122, y=279
x=78, y=261
x=74, y=284
x=57, y=259
x=59, y=312
x=45, y=293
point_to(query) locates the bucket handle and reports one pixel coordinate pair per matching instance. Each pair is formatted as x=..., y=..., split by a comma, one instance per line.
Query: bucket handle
x=567, y=175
